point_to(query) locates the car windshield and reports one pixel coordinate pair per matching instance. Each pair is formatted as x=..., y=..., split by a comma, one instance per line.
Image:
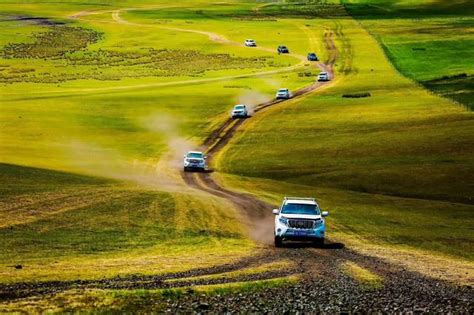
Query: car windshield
x=298, y=208
x=282, y=90
x=239, y=107
x=194, y=155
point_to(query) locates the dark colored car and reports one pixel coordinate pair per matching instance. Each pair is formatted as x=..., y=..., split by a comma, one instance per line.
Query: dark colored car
x=312, y=57
x=283, y=50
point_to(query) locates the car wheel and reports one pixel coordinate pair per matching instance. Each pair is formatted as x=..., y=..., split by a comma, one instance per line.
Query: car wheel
x=186, y=169
x=278, y=241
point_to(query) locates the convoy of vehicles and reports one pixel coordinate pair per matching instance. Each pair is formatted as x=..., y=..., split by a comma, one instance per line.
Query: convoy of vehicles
x=283, y=94
x=250, y=43
x=194, y=161
x=299, y=219
x=239, y=111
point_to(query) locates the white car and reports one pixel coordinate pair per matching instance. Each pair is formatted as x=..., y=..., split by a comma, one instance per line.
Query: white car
x=239, y=111
x=283, y=94
x=323, y=76
x=250, y=43
x=299, y=219
x=194, y=161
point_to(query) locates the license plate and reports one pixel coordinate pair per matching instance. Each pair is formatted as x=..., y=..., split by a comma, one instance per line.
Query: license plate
x=301, y=233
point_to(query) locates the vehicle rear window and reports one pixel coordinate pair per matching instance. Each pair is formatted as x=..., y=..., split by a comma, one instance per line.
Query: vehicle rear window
x=296, y=208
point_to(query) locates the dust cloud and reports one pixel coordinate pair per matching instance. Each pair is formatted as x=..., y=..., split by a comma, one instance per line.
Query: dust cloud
x=160, y=172
x=252, y=99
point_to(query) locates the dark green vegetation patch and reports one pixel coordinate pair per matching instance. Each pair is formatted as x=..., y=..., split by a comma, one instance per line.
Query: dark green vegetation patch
x=457, y=87
x=427, y=41
x=390, y=9
x=356, y=95
x=54, y=43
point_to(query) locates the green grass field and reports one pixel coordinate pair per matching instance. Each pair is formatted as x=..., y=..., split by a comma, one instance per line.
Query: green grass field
x=428, y=41
x=63, y=226
x=99, y=100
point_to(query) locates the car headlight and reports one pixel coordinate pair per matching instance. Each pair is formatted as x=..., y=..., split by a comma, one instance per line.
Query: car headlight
x=283, y=220
x=318, y=222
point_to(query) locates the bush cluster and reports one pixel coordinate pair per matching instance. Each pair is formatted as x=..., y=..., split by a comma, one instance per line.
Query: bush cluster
x=54, y=43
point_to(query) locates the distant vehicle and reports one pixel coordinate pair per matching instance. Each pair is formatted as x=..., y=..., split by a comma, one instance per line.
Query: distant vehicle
x=299, y=219
x=312, y=57
x=283, y=94
x=250, y=43
x=194, y=160
x=323, y=76
x=240, y=111
x=282, y=50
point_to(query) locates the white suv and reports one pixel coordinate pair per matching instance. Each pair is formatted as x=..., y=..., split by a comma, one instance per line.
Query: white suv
x=239, y=111
x=323, y=76
x=283, y=94
x=299, y=219
x=250, y=43
x=194, y=160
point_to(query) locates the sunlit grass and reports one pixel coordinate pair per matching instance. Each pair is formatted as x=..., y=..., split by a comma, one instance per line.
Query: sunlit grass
x=59, y=226
x=367, y=279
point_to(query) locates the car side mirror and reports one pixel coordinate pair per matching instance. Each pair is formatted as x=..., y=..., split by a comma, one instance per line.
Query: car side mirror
x=324, y=214
x=276, y=211
x=184, y=155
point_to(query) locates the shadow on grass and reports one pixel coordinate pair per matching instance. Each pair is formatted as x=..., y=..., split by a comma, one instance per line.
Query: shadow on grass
x=207, y=170
x=309, y=244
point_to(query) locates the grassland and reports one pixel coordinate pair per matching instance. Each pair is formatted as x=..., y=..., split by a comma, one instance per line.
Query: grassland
x=382, y=162
x=428, y=41
x=62, y=226
x=100, y=100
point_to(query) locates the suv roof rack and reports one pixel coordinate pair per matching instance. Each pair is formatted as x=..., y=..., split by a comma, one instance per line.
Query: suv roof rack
x=299, y=198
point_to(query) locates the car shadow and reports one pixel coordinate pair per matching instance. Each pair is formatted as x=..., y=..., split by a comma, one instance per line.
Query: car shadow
x=326, y=245
x=200, y=171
